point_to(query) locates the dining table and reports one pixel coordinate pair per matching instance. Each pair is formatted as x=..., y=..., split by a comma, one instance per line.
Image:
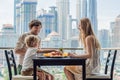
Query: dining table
x=58, y=61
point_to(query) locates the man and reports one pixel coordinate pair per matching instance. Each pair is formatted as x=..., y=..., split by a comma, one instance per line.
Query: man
x=20, y=49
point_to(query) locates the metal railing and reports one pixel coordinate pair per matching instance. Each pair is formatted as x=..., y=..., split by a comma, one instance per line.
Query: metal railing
x=57, y=69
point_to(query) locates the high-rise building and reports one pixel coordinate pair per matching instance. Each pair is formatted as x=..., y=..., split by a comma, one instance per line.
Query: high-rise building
x=69, y=27
x=116, y=33
x=104, y=38
x=16, y=15
x=81, y=7
x=8, y=37
x=87, y=8
x=63, y=12
x=112, y=25
x=25, y=11
x=92, y=14
x=54, y=12
x=49, y=21
x=48, y=24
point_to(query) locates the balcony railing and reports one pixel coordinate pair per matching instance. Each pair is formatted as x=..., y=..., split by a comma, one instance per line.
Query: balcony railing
x=57, y=70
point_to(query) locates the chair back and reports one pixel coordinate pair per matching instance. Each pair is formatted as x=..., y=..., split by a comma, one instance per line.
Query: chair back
x=110, y=61
x=10, y=63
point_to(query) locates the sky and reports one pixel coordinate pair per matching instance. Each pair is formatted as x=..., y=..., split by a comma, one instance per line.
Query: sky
x=107, y=11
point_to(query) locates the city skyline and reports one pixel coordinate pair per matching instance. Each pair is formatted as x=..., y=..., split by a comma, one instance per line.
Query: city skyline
x=106, y=13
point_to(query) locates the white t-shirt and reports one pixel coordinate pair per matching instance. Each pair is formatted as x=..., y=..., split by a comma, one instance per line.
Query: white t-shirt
x=27, y=62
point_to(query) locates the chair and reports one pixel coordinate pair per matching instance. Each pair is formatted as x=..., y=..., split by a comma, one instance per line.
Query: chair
x=11, y=63
x=110, y=61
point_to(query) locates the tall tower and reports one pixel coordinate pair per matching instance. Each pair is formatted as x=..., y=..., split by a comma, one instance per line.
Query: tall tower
x=25, y=11
x=116, y=32
x=92, y=14
x=81, y=7
x=69, y=27
x=28, y=13
x=54, y=12
x=104, y=38
x=17, y=16
x=48, y=23
x=88, y=8
x=63, y=12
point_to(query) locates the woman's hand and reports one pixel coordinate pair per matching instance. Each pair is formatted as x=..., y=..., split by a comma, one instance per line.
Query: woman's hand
x=72, y=55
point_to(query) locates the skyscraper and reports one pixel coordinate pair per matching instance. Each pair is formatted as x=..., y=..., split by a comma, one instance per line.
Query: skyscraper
x=112, y=26
x=87, y=8
x=92, y=14
x=17, y=16
x=8, y=37
x=54, y=12
x=25, y=11
x=81, y=7
x=69, y=27
x=48, y=23
x=63, y=12
x=116, y=32
x=104, y=38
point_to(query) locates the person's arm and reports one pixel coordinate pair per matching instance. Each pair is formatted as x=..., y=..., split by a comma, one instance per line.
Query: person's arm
x=20, y=51
x=89, y=49
x=20, y=46
x=46, y=50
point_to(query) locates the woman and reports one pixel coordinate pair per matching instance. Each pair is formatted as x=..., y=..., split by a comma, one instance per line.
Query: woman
x=91, y=46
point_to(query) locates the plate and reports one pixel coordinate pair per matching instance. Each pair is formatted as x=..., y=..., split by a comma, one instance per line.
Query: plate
x=52, y=57
x=49, y=55
x=57, y=57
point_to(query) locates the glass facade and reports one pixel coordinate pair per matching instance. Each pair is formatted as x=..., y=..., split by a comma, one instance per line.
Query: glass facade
x=48, y=23
x=63, y=12
x=25, y=11
x=88, y=8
